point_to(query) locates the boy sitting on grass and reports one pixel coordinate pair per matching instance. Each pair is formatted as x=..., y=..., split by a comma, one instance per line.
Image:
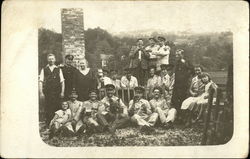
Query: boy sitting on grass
x=58, y=124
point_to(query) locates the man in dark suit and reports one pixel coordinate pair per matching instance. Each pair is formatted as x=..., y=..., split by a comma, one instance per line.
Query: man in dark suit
x=183, y=73
x=139, y=62
x=68, y=72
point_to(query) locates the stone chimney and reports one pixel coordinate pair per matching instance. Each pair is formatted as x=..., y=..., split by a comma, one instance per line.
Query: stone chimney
x=73, y=34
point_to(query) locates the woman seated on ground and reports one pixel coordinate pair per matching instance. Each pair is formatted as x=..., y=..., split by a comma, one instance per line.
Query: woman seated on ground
x=195, y=90
x=58, y=125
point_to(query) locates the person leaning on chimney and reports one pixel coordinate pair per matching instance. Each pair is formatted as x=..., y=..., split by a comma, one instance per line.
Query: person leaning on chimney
x=51, y=87
x=139, y=62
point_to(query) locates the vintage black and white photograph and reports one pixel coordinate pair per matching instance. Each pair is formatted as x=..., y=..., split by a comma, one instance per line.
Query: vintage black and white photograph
x=124, y=79
x=133, y=74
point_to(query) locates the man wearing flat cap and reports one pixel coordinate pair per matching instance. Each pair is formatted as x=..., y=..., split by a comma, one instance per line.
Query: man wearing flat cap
x=139, y=61
x=162, y=53
x=152, y=48
x=113, y=113
x=141, y=111
x=68, y=71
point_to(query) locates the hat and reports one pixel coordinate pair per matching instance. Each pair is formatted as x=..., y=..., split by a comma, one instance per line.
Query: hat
x=152, y=39
x=105, y=70
x=70, y=57
x=73, y=92
x=161, y=38
x=169, y=66
x=163, y=66
x=127, y=69
x=158, y=88
x=152, y=67
x=180, y=50
x=139, y=88
x=109, y=86
x=113, y=70
x=93, y=91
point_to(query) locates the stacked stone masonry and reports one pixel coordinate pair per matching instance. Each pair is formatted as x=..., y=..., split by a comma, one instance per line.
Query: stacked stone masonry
x=73, y=33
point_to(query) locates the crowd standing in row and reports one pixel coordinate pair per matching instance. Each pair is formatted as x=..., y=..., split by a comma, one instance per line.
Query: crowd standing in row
x=170, y=94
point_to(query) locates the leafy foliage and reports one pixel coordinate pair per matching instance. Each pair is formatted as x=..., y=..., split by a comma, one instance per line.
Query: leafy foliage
x=212, y=50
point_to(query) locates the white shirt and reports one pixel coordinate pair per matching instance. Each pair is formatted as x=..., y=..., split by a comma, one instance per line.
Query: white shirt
x=107, y=80
x=84, y=72
x=139, y=56
x=125, y=83
x=153, y=49
x=116, y=83
x=41, y=76
x=163, y=50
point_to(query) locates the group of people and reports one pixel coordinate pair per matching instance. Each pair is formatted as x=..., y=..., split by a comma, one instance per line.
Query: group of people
x=174, y=91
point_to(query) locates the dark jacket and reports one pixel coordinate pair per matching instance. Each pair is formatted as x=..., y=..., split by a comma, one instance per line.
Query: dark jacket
x=134, y=58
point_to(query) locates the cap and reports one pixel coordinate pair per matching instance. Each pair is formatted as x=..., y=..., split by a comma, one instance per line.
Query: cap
x=127, y=69
x=73, y=92
x=105, y=70
x=163, y=66
x=180, y=50
x=113, y=70
x=93, y=91
x=70, y=57
x=139, y=89
x=152, y=67
x=158, y=88
x=109, y=86
x=160, y=38
x=152, y=39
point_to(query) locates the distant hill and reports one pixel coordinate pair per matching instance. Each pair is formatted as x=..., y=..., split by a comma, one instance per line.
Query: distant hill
x=214, y=51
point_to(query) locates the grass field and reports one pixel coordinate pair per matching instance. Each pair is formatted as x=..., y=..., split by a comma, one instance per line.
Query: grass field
x=131, y=136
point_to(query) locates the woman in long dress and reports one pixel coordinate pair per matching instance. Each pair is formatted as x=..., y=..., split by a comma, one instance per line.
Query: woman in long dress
x=202, y=102
x=196, y=89
x=85, y=80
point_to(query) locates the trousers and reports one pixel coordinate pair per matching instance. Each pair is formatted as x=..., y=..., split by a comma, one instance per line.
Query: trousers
x=149, y=120
x=114, y=120
x=167, y=115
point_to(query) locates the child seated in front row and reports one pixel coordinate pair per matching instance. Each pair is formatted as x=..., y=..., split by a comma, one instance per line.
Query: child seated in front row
x=61, y=119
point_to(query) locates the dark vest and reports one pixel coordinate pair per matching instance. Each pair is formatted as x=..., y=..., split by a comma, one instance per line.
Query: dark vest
x=52, y=84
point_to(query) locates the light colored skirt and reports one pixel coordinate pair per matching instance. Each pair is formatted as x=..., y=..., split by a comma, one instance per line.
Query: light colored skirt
x=189, y=103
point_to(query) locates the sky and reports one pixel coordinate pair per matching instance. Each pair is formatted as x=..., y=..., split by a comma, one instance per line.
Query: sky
x=128, y=16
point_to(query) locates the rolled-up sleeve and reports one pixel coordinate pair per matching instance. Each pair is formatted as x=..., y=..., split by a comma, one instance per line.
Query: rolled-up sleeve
x=61, y=76
x=41, y=76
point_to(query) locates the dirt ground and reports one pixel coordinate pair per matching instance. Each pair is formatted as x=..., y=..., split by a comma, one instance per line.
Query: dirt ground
x=131, y=136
